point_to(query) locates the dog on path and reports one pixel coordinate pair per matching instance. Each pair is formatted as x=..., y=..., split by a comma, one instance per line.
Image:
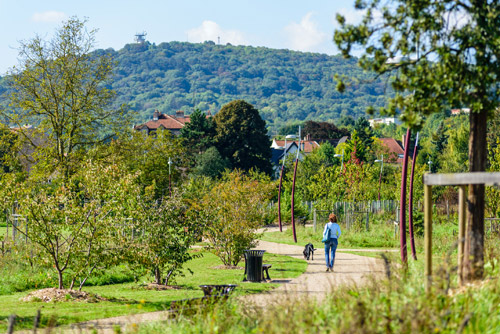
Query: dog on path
x=309, y=251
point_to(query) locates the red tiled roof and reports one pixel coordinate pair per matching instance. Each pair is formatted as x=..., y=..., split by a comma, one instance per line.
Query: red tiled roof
x=309, y=145
x=170, y=122
x=394, y=147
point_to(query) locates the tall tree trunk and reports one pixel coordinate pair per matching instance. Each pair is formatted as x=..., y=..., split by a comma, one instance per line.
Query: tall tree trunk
x=60, y=276
x=158, y=275
x=474, y=236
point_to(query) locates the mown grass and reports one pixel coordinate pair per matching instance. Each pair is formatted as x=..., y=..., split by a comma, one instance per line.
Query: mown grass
x=378, y=236
x=130, y=298
x=3, y=231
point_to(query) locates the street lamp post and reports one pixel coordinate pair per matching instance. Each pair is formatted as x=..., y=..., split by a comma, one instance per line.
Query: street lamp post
x=293, y=191
x=380, y=177
x=281, y=179
x=169, y=177
x=342, y=163
x=429, y=163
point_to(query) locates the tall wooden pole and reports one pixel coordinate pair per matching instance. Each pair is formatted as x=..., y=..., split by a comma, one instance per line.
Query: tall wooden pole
x=402, y=213
x=428, y=236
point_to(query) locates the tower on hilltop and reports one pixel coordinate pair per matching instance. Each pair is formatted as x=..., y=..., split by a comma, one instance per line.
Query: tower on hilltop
x=140, y=37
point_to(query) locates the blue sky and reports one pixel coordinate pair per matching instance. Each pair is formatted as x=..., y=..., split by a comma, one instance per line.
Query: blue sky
x=293, y=24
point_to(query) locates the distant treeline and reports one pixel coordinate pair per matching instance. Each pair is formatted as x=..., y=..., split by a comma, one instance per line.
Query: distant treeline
x=285, y=86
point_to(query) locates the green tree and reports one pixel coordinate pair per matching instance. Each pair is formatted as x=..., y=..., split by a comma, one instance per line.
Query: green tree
x=150, y=155
x=366, y=135
x=442, y=61
x=9, y=141
x=323, y=130
x=211, y=163
x=233, y=210
x=73, y=224
x=456, y=154
x=439, y=141
x=242, y=137
x=62, y=90
x=289, y=129
x=355, y=149
x=199, y=132
x=166, y=233
x=493, y=193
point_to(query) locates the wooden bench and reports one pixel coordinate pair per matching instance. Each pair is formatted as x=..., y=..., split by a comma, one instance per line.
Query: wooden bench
x=265, y=267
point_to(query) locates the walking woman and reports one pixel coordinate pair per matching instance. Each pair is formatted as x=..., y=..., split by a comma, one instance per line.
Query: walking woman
x=331, y=236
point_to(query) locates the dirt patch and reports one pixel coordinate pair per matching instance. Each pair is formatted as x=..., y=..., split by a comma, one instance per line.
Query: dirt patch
x=160, y=287
x=61, y=295
x=228, y=267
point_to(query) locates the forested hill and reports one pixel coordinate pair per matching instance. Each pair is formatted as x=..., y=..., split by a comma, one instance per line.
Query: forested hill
x=284, y=85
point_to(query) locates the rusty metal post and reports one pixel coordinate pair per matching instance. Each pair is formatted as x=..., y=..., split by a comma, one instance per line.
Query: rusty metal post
x=428, y=236
x=462, y=198
x=293, y=200
x=279, y=198
x=410, y=202
x=402, y=201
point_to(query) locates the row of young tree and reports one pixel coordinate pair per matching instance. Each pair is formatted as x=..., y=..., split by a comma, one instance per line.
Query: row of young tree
x=92, y=193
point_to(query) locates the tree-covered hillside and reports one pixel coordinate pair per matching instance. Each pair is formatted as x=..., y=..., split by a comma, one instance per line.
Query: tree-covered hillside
x=283, y=85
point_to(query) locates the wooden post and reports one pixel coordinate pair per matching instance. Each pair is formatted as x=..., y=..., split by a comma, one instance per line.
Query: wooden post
x=428, y=236
x=462, y=191
x=314, y=220
x=11, y=324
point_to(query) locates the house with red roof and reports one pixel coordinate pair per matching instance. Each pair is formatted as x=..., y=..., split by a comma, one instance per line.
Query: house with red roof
x=172, y=123
x=306, y=146
x=394, y=150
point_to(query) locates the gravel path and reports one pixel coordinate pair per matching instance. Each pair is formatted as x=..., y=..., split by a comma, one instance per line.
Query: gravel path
x=316, y=282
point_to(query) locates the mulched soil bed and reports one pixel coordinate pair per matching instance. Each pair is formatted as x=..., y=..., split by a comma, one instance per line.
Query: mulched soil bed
x=160, y=287
x=61, y=295
x=228, y=267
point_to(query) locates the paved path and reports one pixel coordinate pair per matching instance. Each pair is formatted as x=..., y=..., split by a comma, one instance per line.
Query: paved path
x=316, y=282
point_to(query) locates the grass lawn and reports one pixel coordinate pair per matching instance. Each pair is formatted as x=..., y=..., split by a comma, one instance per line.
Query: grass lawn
x=379, y=236
x=3, y=231
x=130, y=298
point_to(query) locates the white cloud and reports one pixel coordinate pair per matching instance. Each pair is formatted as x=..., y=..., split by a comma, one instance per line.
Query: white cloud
x=305, y=36
x=50, y=16
x=351, y=15
x=211, y=31
x=354, y=16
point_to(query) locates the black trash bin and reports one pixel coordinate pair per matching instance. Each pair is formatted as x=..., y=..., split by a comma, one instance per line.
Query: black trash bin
x=253, y=265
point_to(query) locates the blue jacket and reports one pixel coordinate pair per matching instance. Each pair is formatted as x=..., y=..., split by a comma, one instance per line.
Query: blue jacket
x=334, y=230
